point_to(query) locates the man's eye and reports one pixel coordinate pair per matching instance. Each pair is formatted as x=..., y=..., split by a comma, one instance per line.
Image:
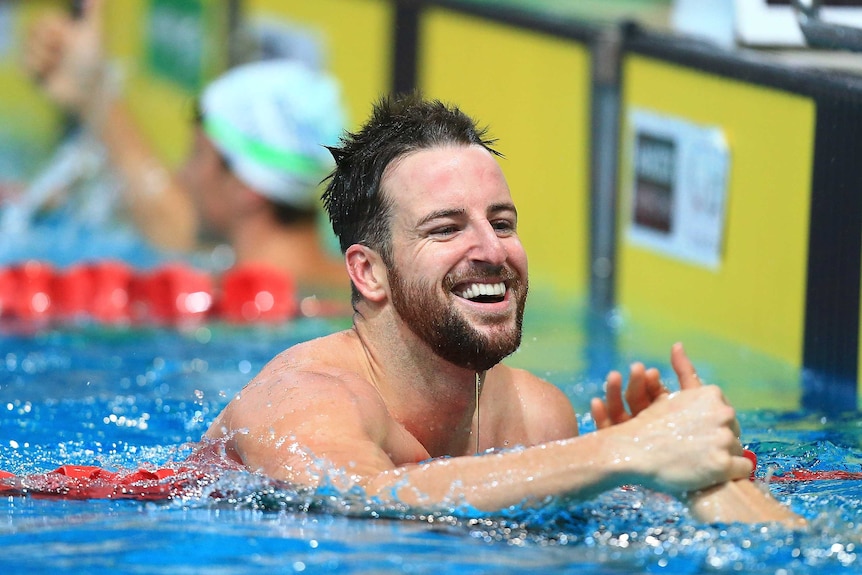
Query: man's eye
x=444, y=231
x=503, y=226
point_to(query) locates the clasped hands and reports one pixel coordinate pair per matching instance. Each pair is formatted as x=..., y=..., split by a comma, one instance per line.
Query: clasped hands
x=680, y=442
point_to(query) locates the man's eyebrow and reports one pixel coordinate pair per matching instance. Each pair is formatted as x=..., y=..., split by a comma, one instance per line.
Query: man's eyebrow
x=504, y=207
x=455, y=212
x=439, y=214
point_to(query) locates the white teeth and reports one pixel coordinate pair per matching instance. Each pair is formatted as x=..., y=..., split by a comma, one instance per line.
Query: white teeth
x=475, y=290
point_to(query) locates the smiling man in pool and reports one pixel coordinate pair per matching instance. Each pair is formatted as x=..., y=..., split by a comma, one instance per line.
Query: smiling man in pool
x=402, y=402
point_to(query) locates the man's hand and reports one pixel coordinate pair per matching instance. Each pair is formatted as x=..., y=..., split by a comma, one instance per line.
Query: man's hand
x=685, y=440
x=644, y=388
x=65, y=56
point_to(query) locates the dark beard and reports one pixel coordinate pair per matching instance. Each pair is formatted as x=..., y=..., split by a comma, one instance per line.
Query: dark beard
x=447, y=332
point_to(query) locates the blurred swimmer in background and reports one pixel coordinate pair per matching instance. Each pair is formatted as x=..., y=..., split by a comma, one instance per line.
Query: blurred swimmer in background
x=251, y=180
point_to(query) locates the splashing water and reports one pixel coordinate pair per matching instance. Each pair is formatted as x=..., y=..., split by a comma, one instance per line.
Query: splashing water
x=125, y=398
x=122, y=399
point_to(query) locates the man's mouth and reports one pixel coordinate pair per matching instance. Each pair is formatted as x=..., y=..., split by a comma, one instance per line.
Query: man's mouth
x=481, y=292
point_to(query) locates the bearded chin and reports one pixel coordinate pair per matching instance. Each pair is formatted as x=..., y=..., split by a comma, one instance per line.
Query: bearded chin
x=460, y=343
x=448, y=333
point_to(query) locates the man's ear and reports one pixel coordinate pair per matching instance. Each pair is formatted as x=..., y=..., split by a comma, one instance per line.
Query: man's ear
x=367, y=272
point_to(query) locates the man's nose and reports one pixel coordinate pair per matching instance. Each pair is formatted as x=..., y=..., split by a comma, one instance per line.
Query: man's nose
x=487, y=245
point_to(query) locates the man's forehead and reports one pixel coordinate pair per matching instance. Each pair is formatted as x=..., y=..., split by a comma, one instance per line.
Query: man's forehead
x=445, y=178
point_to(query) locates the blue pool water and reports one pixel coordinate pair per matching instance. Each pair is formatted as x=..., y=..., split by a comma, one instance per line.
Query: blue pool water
x=123, y=397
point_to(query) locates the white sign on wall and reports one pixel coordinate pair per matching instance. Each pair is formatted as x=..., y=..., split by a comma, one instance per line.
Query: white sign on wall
x=678, y=187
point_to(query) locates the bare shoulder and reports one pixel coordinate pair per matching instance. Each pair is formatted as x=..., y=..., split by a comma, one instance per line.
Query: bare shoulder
x=338, y=352
x=547, y=411
x=314, y=398
x=533, y=388
x=312, y=377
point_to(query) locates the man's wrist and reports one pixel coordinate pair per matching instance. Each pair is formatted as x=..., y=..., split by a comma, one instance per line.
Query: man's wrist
x=105, y=86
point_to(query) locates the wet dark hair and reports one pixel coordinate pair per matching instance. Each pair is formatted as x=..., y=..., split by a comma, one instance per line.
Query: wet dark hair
x=399, y=124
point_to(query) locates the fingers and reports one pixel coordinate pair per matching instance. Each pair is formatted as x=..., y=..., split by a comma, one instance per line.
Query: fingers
x=635, y=390
x=735, y=428
x=644, y=388
x=683, y=367
x=741, y=467
x=93, y=14
x=614, y=394
x=611, y=411
x=654, y=386
x=44, y=46
x=599, y=413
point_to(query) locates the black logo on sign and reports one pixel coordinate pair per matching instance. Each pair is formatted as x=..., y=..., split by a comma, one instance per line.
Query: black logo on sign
x=655, y=165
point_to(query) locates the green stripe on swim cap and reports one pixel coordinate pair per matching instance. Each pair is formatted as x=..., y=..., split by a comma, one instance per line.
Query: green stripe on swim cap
x=235, y=142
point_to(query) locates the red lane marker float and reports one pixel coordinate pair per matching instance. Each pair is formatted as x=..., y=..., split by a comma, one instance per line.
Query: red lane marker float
x=802, y=474
x=32, y=283
x=170, y=294
x=89, y=482
x=807, y=475
x=8, y=290
x=97, y=290
x=255, y=293
x=114, y=292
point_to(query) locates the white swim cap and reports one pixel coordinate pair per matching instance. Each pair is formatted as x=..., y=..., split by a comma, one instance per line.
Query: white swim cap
x=271, y=121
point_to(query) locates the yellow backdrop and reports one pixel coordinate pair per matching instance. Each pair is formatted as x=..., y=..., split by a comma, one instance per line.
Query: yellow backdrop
x=757, y=296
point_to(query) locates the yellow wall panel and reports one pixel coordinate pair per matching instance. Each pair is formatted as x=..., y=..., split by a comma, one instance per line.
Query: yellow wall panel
x=533, y=90
x=357, y=36
x=757, y=296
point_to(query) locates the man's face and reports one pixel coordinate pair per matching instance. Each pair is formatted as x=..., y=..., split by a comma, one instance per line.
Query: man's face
x=205, y=176
x=459, y=278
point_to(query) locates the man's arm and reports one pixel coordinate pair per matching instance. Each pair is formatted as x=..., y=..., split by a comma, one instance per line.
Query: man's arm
x=158, y=204
x=740, y=501
x=332, y=429
x=67, y=59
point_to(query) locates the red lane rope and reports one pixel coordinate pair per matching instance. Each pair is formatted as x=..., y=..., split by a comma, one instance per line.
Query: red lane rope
x=114, y=292
x=803, y=474
x=808, y=475
x=91, y=482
